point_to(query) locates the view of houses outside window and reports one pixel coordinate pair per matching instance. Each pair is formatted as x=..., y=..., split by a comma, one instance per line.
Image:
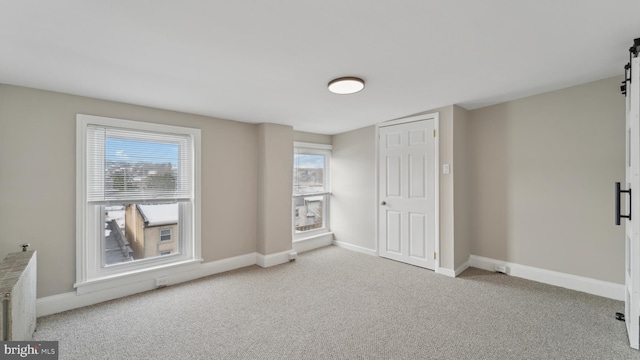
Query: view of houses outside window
x=139, y=231
x=310, y=189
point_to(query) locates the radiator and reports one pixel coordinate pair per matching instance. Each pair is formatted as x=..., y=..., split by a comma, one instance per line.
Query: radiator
x=18, y=292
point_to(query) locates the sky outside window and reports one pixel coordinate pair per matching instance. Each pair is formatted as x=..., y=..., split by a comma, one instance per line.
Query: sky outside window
x=134, y=151
x=308, y=175
x=307, y=161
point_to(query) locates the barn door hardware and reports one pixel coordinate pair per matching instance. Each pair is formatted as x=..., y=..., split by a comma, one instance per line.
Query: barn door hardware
x=627, y=77
x=633, y=53
x=618, y=203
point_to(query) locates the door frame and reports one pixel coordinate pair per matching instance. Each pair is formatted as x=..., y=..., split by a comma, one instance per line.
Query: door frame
x=436, y=126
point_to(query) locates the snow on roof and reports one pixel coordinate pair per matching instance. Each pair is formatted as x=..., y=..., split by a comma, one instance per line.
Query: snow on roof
x=159, y=214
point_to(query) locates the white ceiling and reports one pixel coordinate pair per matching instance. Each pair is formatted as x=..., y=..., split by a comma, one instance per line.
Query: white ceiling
x=270, y=61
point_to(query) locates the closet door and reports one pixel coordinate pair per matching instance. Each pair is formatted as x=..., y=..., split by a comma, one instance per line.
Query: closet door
x=407, y=192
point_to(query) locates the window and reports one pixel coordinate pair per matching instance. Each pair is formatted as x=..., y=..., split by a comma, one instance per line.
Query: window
x=165, y=235
x=310, y=189
x=137, y=187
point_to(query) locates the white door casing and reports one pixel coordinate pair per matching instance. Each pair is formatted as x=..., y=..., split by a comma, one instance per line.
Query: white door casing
x=407, y=191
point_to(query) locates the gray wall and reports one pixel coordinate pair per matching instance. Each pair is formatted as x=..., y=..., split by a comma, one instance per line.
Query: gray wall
x=37, y=179
x=543, y=170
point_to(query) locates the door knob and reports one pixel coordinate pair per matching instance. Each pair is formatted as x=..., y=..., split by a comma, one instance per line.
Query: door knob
x=383, y=203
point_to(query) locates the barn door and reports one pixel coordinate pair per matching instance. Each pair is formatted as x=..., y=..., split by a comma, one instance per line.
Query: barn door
x=627, y=193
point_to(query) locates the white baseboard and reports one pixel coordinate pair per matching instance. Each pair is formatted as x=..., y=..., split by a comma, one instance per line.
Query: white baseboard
x=462, y=268
x=275, y=259
x=355, y=248
x=446, y=272
x=313, y=242
x=453, y=273
x=72, y=300
x=591, y=286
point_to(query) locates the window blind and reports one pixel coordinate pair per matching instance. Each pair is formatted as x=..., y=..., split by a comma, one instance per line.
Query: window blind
x=138, y=166
x=309, y=172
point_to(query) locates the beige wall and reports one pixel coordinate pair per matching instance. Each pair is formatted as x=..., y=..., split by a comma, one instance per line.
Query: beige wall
x=543, y=170
x=531, y=182
x=353, y=184
x=353, y=179
x=446, y=187
x=37, y=178
x=461, y=188
x=311, y=138
x=275, y=187
x=454, y=194
x=134, y=231
x=537, y=180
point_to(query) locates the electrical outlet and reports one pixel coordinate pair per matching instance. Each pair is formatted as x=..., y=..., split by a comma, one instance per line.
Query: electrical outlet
x=163, y=281
x=293, y=255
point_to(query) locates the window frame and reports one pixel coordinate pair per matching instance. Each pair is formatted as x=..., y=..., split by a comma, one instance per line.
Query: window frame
x=314, y=149
x=170, y=237
x=91, y=272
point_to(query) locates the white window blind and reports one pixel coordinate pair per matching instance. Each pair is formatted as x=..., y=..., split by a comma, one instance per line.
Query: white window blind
x=137, y=166
x=310, y=172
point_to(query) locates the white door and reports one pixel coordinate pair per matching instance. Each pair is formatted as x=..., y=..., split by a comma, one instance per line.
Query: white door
x=632, y=215
x=407, y=194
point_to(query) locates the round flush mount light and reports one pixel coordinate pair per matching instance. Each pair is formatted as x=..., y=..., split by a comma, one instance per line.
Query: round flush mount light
x=346, y=85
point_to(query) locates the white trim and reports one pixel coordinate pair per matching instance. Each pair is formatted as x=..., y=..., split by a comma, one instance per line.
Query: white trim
x=312, y=145
x=313, y=242
x=376, y=195
x=67, y=301
x=124, y=279
x=81, y=205
x=446, y=272
x=436, y=126
x=453, y=273
x=591, y=286
x=462, y=268
x=322, y=193
x=170, y=234
x=355, y=248
x=88, y=258
x=275, y=259
x=325, y=151
x=407, y=119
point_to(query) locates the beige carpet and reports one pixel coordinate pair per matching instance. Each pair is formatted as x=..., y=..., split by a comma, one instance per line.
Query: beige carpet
x=332, y=303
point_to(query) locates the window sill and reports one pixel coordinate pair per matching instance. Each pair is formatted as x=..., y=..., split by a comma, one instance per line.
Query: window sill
x=313, y=242
x=132, y=277
x=310, y=234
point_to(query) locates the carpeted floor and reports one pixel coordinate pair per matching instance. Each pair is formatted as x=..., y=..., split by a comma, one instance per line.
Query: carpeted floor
x=332, y=303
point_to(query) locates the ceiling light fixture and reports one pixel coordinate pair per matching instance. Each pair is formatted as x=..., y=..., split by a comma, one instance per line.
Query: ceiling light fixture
x=346, y=85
